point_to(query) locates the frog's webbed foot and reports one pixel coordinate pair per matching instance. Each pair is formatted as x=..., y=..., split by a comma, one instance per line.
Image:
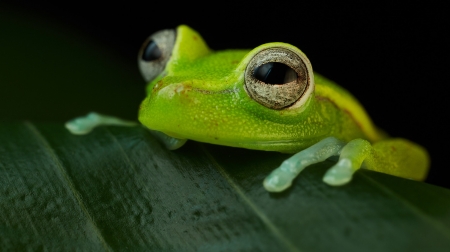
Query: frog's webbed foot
x=350, y=160
x=169, y=142
x=351, y=157
x=281, y=178
x=85, y=124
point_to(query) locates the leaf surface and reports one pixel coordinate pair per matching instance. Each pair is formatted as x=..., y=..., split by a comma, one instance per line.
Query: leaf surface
x=119, y=189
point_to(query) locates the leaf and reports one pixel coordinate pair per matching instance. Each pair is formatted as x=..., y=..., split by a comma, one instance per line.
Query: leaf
x=119, y=189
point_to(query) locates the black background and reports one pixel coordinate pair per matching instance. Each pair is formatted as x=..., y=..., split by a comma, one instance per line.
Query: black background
x=393, y=58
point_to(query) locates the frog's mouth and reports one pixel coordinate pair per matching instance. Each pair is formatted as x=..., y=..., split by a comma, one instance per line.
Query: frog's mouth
x=174, y=141
x=228, y=117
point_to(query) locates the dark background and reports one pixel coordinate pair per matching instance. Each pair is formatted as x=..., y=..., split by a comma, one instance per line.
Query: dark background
x=393, y=58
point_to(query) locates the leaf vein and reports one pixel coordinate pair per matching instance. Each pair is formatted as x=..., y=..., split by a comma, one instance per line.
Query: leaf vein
x=127, y=159
x=275, y=231
x=66, y=176
x=27, y=214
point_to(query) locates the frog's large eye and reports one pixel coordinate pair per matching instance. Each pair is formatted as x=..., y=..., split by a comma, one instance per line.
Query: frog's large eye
x=155, y=53
x=279, y=78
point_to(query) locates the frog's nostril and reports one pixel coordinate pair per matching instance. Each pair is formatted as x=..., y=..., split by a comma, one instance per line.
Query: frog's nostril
x=157, y=86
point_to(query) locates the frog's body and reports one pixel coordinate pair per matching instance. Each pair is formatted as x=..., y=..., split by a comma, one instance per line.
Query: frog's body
x=218, y=97
x=202, y=98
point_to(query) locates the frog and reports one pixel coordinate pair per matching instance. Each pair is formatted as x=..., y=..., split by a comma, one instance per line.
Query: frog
x=267, y=99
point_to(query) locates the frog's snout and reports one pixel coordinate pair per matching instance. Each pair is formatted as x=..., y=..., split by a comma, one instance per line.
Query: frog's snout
x=160, y=88
x=157, y=86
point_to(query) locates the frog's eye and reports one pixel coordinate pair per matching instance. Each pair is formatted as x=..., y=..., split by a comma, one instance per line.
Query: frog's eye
x=155, y=53
x=279, y=78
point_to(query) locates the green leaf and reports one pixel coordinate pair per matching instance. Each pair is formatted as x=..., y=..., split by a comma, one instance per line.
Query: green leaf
x=119, y=189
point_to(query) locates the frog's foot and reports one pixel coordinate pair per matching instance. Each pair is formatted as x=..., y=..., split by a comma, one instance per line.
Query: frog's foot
x=85, y=124
x=340, y=174
x=350, y=160
x=351, y=157
x=169, y=142
x=282, y=177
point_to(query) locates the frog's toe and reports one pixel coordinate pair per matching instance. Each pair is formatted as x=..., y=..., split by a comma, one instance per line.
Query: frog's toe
x=83, y=125
x=278, y=181
x=282, y=177
x=339, y=174
x=169, y=142
x=77, y=126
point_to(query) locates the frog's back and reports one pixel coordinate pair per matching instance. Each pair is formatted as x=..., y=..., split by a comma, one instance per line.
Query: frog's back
x=326, y=89
x=395, y=156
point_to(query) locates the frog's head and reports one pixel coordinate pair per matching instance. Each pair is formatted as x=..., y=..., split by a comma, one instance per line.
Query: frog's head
x=254, y=99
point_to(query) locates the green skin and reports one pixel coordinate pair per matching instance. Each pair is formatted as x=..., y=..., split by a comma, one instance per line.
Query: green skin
x=201, y=96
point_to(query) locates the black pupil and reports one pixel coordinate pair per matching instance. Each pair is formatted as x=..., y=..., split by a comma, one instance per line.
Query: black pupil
x=151, y=52
x=275, y=73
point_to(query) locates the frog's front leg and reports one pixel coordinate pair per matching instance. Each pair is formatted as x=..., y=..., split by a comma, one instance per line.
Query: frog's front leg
x=350, y=160
x=85, y=124
x=282, y=177
x=351, y=157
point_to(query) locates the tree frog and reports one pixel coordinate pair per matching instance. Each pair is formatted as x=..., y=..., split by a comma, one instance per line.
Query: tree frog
x=267, y=99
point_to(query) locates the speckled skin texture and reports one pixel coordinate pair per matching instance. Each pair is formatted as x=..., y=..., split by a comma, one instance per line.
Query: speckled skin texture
x=201, y=96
